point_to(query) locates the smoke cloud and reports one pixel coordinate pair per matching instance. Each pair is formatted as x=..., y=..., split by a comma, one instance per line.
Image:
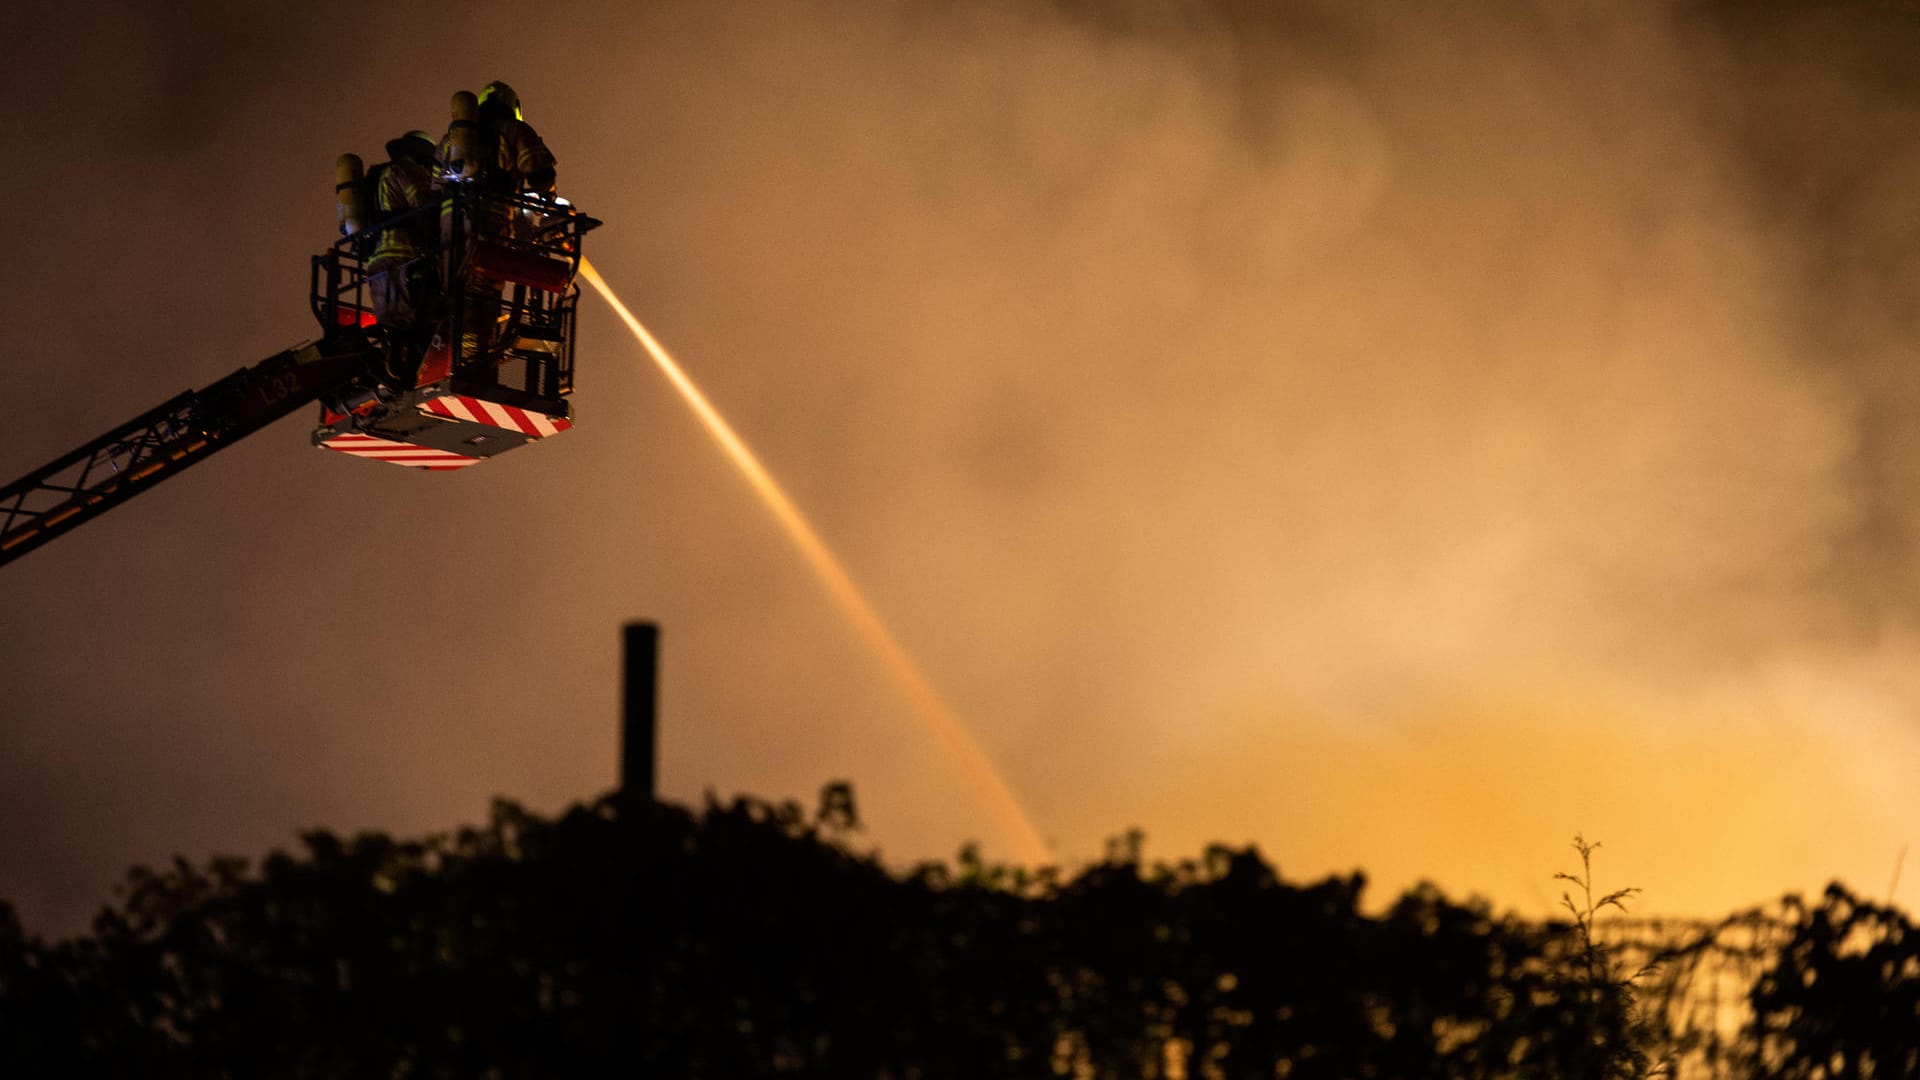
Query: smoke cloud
x=1399, y=437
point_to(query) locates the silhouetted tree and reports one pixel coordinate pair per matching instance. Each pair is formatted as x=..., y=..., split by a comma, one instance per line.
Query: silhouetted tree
x=748, y=940
x=1843, y=997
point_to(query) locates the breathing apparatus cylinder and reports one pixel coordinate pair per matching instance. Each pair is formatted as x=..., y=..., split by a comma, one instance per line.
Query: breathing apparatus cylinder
x=463, y=138
x=350, y=190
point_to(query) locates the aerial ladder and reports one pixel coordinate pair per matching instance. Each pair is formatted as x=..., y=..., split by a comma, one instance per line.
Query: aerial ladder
x=488, y=368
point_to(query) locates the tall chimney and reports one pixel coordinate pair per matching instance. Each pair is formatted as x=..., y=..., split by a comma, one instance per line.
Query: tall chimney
x=639, y=731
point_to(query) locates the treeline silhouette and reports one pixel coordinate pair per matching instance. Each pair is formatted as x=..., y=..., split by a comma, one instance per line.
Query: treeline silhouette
x=748, y=939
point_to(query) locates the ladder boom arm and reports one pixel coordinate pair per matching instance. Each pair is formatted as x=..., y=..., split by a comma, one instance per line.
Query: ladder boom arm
x=102, y=474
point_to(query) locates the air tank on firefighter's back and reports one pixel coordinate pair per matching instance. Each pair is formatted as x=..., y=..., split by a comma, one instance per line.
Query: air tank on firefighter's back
x=463, y=137
x=349, y=189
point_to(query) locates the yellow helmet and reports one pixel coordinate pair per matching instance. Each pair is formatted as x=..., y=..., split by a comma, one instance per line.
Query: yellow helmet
x=502, y=97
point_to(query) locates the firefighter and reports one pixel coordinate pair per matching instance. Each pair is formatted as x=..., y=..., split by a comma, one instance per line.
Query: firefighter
x=490, y=141
x=400, y=275
x=520, y=157
x=490, y=146
x=522, y=153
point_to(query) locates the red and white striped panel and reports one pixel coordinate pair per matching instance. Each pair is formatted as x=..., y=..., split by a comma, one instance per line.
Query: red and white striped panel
x=399, y=453
x=505, y=417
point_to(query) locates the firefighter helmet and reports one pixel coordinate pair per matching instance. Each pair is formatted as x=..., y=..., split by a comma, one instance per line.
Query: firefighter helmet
x=416, y=146
x=501, y=96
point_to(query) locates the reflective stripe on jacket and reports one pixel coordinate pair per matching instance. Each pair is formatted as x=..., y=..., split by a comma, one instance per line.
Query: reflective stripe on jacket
x=402, y=186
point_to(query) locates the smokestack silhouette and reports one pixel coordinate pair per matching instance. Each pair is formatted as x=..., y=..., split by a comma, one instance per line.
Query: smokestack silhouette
x=639, y=732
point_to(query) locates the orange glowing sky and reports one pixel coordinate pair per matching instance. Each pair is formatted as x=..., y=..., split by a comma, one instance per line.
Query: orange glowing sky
x=1398, y=438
